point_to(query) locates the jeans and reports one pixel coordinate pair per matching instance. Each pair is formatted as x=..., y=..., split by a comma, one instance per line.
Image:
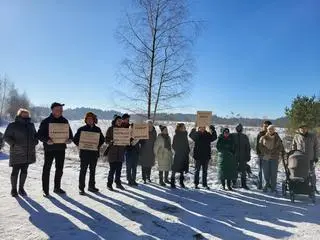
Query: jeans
x=146, y=173
x=131, y=164
x=270, y=173
x=204, y=165
x=49, y=156
x=85, y=163
x=115, y=169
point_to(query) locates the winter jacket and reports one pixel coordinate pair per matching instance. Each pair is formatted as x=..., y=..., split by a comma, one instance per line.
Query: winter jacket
x=271, y=147
x=115, y=153
x=163, y=155
x=21, y=135
x=146, y=154
x=308, y=144
x=43, y=133
x=202, y=144
x=242, y=150
x=227, y=164
x=261, y=134
x=88, y=153
x=181, y=149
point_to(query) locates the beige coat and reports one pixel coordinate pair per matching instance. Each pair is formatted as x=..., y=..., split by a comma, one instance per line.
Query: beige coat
x=271, y=147
x=307, y=144
x=163, y=155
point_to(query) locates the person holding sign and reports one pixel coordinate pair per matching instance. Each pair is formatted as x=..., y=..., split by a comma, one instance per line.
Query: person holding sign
x=163, y=154
x=55, y=133
x=146, y=154
x=116, y=149
x=202, y=152
x=89, y=139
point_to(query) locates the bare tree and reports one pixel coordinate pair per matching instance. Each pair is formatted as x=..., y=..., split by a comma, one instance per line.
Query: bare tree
x=16, y=101
x=158, y=38
x=3, y=93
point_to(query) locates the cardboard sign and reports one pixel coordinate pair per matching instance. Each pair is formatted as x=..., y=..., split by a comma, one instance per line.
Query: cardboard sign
x=89, y=141
x=121, y=136
x=140, y=131
x=204, y=118
x=59, y=132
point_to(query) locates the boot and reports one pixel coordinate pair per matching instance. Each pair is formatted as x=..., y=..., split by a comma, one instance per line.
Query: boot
x=161, y=182
x=93, y=189
x=119, y=186
x=181, y=182
x=166, y=177
x=229, y=185
x=14, y=180
x=23, y=178
x=244, y=184
x=223, y=184
x=82, y=192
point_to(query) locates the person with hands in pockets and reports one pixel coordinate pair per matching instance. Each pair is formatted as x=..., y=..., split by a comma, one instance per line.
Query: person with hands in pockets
x=202, y=152
x=88, y=158
x=53, y=151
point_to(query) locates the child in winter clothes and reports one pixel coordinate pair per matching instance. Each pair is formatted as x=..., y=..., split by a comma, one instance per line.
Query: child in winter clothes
x=88, y=158
x=181, y=149
x=163, y=155
x=202, y=152
x=227, y=164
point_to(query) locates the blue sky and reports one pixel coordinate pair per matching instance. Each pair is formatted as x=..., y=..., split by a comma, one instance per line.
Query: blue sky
x=253, y=57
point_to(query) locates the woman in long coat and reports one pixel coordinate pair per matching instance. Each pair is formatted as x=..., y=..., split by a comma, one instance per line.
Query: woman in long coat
x=21, y=135
x=181, y=149
x=146, y=154
x=227, y=165
x=163, y=155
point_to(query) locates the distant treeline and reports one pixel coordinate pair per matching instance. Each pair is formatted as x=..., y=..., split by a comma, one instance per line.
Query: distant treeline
x=78, y=113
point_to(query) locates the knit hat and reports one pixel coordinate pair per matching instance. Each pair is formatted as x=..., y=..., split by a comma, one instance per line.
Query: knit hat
x=92, y=115
x=162, y=128
x=116, y=117
x=239, y=128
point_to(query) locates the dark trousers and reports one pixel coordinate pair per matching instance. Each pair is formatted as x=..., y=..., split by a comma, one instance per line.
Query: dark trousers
x=22, y=168
x=85, y=163
x=173, y=177
x=115, y=169
x=204, y=165
x=166, y=176
x=49, y=156
x=146, y=173
x=260, y=176
x=131, y=164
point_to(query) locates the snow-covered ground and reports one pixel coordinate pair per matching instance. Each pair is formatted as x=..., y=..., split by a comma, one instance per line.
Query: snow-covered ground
x=149, y=211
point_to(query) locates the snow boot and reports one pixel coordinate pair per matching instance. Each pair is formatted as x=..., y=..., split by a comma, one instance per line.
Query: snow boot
x=119, y=186
x=82, y=192
x=93, y=189
x=59, y=191
x=14, y=180
x=22, y=181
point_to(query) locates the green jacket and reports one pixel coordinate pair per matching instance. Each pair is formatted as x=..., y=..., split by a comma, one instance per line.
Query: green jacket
x=227, y=164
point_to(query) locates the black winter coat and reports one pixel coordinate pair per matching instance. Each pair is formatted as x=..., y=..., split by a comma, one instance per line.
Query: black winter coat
x=242, y=150
x=43, y=133
x=21, y=135
x=202, y=144
x=180, y=145
x=146, y=154
x=115, y=153
x=88, y=153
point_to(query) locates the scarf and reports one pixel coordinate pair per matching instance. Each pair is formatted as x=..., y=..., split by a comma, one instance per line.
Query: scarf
x=167, y=143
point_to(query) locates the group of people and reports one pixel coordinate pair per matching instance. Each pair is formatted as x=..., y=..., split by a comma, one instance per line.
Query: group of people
x=234, y=153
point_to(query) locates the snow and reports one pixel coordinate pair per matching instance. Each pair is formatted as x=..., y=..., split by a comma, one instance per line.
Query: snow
x=149, y=211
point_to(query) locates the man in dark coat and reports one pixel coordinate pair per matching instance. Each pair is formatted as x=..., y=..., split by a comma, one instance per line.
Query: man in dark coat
x=202, y=152
x=53, y=150
x=242, y=153
x=131, y=154
x=21, y=136
x=265, y=126
x=115, y=156
x=88, y=158
x=146, y=153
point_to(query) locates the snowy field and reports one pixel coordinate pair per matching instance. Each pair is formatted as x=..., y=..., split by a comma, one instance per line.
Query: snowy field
x=149, y=211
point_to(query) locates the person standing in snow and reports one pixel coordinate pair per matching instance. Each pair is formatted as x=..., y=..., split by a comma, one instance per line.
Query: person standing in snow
x=53, y=151
x=163, y=155
x=146, y=154
x=242, y=153
x=227, y=164
x=131, y=154
x=115, y=156
x=88, y=158
x=271, y=148
x=202, y=152
x=181, y=149
x=307, y=142
x=21, y=135
x=263, y=132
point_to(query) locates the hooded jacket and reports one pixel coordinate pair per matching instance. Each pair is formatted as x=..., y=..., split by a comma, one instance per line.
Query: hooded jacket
x=308, y=144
